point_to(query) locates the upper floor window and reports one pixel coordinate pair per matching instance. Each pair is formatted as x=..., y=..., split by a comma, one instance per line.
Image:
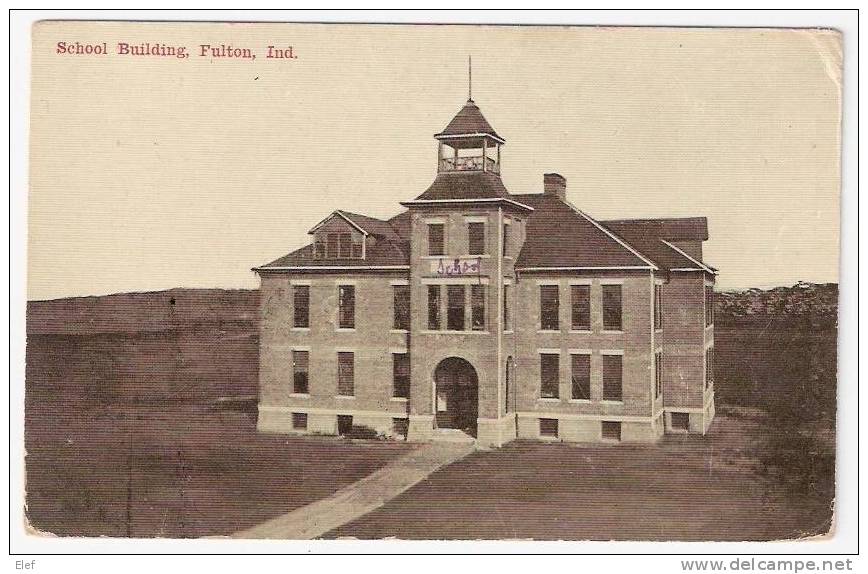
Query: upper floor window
x=581, y=307
x=549, y=307
x=549, y=364
x=401, y=307
x=612, y=377
x=436, y=240
x=476, y=238
x=505, y=239
x=346, y=307
x=709, y=305
x=658, y=307
x=612, y=308
x=301, y=306
x=337, y=245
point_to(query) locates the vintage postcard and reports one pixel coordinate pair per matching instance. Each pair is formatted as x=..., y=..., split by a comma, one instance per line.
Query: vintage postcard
x=418, y=282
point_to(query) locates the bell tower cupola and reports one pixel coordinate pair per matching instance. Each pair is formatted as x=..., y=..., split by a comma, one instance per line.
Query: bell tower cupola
x=468, y=143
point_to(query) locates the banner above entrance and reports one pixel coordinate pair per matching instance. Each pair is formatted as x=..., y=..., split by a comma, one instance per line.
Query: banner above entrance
x=456, y=267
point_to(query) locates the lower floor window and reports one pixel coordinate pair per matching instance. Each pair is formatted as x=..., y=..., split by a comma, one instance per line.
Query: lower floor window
x=611, y=430
x=400, y=427
x=345, y=424
x=299, y=421
x=548, y=427
x=681, y=421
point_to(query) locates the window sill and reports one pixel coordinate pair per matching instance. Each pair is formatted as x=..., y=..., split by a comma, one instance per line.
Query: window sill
x=510, y=332
x=658, y=330
x=345, y=330
x=612, y=331
x=300, y=329
x=399, y=399
x=581, y=401
x=580, y=331
x=446, y=332
x=399, y=331
x=300, y=395
x=348, y=397
x=549, y=400
x=548, y=331
x=611, y=402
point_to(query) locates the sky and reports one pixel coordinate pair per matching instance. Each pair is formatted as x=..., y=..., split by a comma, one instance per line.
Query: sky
x=149, y=172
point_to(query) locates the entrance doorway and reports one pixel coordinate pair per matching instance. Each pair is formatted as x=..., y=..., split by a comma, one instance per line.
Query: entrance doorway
x=456, y=395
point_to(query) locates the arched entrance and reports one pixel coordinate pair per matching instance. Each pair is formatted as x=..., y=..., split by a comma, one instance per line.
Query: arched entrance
x=456, y=395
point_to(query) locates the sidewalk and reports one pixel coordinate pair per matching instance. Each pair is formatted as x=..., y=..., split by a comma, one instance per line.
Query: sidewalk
x=361, y=497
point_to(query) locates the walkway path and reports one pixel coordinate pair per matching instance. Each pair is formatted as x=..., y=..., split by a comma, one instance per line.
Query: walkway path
x=362, y=496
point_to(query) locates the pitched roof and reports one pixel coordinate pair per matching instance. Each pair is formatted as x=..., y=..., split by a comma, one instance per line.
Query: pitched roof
x=372, y=225
x=558, y=235
x=650, y=237
x=465, y=185
x=672, y=228
x=469, y=120
x=385, y=252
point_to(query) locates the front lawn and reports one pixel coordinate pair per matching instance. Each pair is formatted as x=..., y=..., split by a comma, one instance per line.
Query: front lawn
x=685, y=488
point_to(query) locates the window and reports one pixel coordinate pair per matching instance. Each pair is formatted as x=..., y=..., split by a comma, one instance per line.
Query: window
x=332, y=245
x=455, y=307
x=435, y=239
x=658, y=375
x=345, y=424
x=612, y=307
x=507, y=289
x=549, y=376
x=299, y=372
x=476, y=238
x=434, y=307
x=581, y=302
x=709, y=305
x=510, y=377
x=346, y=307
x=299, y=421
x=346, y=367
x=505, y=239
x=709, y=366
x=548, y=427
x=681, y=421
x=658, y=307
x=477, y=307
x=400, y=427
x=345, y=245
x=319, y=248
x=401, y=307
x=612, y=365
x=581, y=377
x=401, y=375
x=549, y=307
x=611, y=430
x=301, y=306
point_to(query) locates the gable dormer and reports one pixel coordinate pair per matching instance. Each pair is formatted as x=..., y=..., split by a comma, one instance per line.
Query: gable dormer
x=338, y=237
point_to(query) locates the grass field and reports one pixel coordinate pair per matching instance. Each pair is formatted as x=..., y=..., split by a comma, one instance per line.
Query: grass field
x=124, y=438
x=686, y=488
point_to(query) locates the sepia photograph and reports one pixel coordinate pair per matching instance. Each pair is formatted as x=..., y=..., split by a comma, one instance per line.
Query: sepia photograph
x=333, y=282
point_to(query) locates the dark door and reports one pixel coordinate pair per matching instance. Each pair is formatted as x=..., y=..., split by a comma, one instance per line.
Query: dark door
x=457, y=394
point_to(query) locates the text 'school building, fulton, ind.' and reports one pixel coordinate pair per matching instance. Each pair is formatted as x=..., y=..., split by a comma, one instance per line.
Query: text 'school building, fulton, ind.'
x=502, y=315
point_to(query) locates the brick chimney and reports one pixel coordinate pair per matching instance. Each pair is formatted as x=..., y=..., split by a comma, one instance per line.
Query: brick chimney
x=555, y=184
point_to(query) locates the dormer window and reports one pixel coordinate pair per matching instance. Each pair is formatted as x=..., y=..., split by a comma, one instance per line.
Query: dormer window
x=338, y=245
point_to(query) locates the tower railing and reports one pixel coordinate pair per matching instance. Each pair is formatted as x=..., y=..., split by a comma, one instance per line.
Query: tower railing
x=469, y=163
